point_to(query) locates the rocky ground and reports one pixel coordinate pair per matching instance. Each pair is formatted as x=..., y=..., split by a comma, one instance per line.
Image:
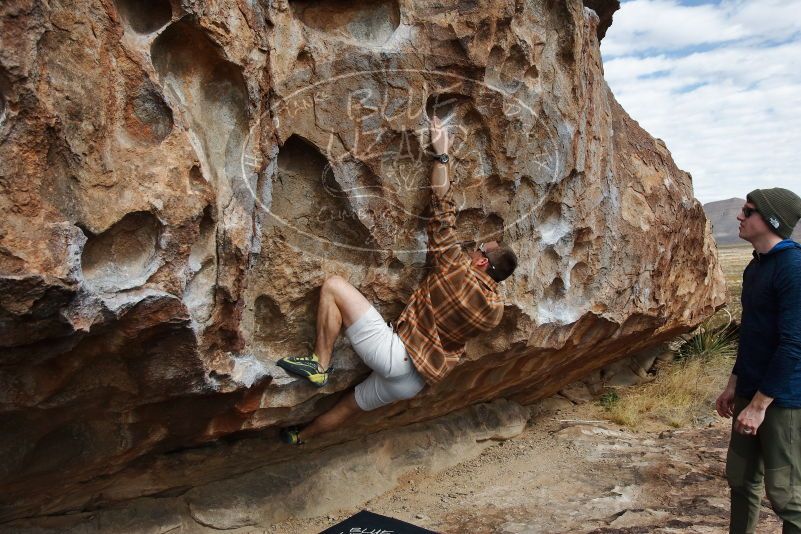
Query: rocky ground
x=572, y=472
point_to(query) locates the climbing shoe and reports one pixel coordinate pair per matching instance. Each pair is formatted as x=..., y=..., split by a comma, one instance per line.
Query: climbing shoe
x=306, y=367
x=291, y=436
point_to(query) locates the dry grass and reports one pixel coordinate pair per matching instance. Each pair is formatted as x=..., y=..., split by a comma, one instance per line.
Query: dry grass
x=684, y=391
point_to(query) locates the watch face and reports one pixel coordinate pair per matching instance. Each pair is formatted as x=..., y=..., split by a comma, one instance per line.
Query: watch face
x=442, y=158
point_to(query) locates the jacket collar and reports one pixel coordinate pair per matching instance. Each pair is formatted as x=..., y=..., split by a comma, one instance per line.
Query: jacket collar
x=486, y=279
x=778, y=247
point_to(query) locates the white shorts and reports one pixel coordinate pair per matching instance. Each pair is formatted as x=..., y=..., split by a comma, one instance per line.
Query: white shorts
x=394, y=377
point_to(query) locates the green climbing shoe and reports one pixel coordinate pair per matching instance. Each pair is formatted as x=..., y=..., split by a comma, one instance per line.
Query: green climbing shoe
x=306, y=367
x=291, y=436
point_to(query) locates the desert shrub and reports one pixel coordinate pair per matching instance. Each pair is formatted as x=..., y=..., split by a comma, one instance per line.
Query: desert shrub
x=710, y=340
x=609, y=399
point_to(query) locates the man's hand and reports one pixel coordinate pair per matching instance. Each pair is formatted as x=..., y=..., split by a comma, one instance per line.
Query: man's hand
x=752, y=415
x=725, y=403
x=440, y=142
x=749, y=420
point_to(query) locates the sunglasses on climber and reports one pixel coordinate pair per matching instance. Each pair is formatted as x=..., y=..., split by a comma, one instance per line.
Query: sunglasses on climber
x=747, y=212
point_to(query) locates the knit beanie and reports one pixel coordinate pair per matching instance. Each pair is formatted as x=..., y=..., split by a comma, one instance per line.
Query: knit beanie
x=781, y=209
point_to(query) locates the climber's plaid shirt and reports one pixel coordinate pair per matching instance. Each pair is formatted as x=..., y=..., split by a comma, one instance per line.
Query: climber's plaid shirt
x=453, y=303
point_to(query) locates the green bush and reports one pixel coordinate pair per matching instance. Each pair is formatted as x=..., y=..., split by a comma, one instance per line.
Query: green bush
x=710, y=340
x=609, y=399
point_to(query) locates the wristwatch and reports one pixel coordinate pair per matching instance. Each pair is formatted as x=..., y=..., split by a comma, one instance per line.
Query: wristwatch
x=442, y=158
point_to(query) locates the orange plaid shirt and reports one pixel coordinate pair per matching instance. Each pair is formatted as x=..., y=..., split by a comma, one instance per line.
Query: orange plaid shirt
x=453, y=303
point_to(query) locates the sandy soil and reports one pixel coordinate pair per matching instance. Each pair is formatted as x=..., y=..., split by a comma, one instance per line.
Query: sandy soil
x=569, y=473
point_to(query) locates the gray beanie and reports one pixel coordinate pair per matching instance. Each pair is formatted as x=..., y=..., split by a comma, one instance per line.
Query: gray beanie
x=781, y=209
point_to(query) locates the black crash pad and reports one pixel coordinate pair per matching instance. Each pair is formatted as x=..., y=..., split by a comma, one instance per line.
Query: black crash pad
x=369, y=523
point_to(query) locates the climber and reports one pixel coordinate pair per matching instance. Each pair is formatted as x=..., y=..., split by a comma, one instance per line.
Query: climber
x=763, y=395
x=456, y=301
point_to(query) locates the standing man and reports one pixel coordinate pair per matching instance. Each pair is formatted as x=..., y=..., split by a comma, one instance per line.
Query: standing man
x=456, y=301
x=764, y=390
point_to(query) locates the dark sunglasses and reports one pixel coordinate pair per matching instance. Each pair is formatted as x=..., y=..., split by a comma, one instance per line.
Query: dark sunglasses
x=747, y=212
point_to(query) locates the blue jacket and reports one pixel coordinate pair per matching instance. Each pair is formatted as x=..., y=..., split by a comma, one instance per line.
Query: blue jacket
x=769, y=356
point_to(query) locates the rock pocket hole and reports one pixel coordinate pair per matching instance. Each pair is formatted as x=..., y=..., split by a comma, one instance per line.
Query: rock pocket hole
x=473, y=225
x=552, y=225
x=556, y=290
x=514, y=67
x=444, y=105
x=147, y=116
x=371, y=22
x=145, y=16
x=214, y=92
x=311, y=204
x=549, y=261
x=269, y=320
x=124, y=256
x=285, y=332
x=199, y=293
x=496, y=56
x=580, y=274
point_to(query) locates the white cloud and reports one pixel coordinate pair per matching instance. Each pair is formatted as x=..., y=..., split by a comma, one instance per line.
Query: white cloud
x=645, y=24
x=667, y=24
x=720, y=83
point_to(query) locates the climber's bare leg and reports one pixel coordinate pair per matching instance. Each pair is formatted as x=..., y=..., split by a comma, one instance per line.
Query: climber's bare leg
x=333, y=418
x=341, y=304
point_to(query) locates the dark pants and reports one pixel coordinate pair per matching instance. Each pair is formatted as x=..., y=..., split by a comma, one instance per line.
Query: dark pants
x=773, y=454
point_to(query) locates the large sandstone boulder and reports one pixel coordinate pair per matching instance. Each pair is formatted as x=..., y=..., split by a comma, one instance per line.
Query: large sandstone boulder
x=177, y=178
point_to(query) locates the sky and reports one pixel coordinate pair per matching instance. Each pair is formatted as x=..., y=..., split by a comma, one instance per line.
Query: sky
x=719, y=82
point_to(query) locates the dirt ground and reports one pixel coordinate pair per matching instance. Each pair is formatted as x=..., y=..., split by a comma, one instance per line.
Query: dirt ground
x=568, y=472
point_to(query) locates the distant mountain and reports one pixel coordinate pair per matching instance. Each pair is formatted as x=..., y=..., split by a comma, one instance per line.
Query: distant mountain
x=723, y=216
